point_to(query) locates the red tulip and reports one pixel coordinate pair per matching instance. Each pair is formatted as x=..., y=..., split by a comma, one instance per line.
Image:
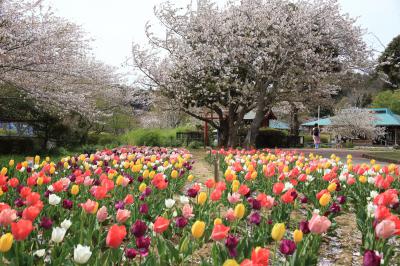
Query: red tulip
x=30, y=213
x=259, y=256
x=160, y=225
x=220, y=232
x=21, y=229
x=278, y=188
x=115, y=236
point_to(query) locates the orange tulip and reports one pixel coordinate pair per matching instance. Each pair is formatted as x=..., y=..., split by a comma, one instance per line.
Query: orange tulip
x=21, y=229
x=219, y=232
x=115, y=236
x=160, y=225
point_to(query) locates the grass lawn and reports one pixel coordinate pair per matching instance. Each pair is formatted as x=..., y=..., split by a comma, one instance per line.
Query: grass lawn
x=386, y=155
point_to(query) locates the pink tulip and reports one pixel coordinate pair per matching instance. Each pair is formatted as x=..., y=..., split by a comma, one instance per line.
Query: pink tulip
x=125, y=182
x=88, y=181
x=7, y=216
x=230, y=215
x=187, y=211
x=234, y=197
x=123, y=215
x=102, y=214
x=385, y=229
x=319, y=224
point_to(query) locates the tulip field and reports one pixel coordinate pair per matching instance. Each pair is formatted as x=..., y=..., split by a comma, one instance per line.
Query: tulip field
x=145, y=206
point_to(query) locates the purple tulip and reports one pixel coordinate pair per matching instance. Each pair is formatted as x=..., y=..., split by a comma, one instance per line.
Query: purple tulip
x=181, y=222
x=255, y=218
x=294, y=194
x=144, y=209
x=143, y=242
x=147, y=191
x=46, y=223
x=231, y=243
x=334, y=208
x=304, y=227
x=255, y=204
x=287, y=247
x=341, y=199
x=67, y=204
x=191, y=192
x=19, y=202
x=130, y=253
x=140, y=179
x=371, y=259
x=28, y=170
x=47, y=193
x=119, y=205
x=96, y=182
x=304, y=199
x=139, y=228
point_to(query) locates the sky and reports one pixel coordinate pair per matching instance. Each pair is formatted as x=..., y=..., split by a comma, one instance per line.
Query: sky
x=116, y=24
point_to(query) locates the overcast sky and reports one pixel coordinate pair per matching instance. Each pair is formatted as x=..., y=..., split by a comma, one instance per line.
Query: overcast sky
x=115, y=24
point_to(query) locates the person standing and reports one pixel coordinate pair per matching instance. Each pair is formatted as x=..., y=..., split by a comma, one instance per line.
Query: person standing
x=315, y=134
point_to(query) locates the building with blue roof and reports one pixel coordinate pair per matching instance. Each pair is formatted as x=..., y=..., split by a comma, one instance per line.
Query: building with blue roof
x=384, y=118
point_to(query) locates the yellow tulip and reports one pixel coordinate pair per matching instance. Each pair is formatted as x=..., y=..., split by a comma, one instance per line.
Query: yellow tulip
x=119, y=180
x=146, y=173
x=74, y=189
x=278, y=231
x=253, y=175
x=37, y=159
x=332, y=187
x=217, y=221
x=325, y=199
x=39, y=181
x=349, y=156
x=230, y=262
x=6, y=242
x=198, y=229
x=235, y=185
x=372, y=162
x=11, y=163
x=1, y=192
x=66, y=165
x=152, y=174
x=3, y=171
x=52, y=170
x=362, y=179
x=174, y=174
x=240, y=209
x=190, y=178
x=297, y=236
x=142, y=187
x=201, y=198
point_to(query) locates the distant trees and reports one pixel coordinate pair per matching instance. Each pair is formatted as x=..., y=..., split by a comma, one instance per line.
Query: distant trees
x=389, y=62
x=387, y=99
x=354, y=123
x=247, y=56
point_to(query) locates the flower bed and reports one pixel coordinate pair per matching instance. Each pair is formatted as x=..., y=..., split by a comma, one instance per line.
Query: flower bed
x=141, y=205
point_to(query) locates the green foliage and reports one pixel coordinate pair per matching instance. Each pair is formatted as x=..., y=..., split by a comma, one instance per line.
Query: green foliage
x=387, y=99
x=152, y=137
x=390, y=60
x=195, y=145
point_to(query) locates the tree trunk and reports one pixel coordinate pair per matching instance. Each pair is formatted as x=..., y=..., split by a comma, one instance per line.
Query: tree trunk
x=223, y=133
x=294, y=120
x=261, y=110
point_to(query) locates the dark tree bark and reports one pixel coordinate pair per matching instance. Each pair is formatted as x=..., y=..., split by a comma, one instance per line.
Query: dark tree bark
x=294, y=120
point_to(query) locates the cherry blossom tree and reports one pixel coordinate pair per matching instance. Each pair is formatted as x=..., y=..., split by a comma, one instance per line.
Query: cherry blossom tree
x=246, y=56
x=355, y=123
x=48, y=59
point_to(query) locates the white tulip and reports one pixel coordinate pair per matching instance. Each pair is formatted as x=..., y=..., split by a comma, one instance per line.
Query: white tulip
x=66, y=224
x=58, y=234
x=82, y=254
x=54, y=199
x=39, y=253
x=184, y=200
x=169, y=203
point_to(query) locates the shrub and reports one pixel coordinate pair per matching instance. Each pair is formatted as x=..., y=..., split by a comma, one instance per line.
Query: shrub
x=152, y=138
x=271, y=138
x=195, y=145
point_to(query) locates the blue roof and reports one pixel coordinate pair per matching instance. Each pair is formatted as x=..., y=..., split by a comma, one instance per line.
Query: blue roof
x=278, y=124
x=384, y=117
